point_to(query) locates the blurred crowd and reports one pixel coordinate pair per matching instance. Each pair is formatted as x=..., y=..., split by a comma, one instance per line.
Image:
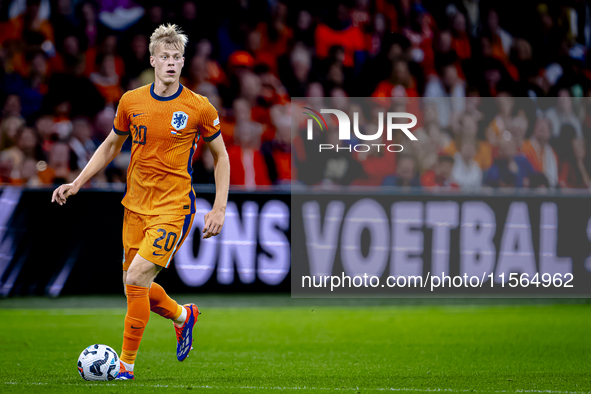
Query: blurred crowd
x=502, y=141
x=64, y=65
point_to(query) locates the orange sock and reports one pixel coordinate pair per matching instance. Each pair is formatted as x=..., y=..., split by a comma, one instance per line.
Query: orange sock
x=136, y=319
x=162, y=304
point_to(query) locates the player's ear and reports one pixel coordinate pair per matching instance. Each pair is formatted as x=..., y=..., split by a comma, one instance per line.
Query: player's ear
x=152, y=60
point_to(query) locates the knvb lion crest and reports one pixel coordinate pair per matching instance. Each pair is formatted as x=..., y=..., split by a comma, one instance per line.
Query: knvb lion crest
x=179, y=120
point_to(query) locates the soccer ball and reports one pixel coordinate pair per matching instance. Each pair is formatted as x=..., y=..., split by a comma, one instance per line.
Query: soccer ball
x=98, y=362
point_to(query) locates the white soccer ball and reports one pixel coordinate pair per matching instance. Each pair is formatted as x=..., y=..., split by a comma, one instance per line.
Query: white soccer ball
x=98, y=362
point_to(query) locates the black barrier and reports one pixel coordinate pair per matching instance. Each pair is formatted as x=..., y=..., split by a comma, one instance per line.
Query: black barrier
x=47, y=249
x=77, y=249
x=498, y=245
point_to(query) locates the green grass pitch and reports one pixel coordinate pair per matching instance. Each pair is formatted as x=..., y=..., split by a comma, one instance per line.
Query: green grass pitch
x=273, y=343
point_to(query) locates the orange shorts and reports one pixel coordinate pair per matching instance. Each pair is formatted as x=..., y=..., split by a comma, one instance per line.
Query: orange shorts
x=154, y=237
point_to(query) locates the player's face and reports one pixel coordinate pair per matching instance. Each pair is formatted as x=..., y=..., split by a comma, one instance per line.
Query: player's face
x=168, y=63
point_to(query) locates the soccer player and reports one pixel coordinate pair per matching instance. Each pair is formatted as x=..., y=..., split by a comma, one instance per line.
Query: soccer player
x=165, y=121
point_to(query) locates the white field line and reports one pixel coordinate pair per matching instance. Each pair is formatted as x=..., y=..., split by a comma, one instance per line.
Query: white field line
x=134, y=384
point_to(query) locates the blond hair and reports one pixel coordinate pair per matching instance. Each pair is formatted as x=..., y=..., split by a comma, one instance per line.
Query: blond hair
x=169, y=35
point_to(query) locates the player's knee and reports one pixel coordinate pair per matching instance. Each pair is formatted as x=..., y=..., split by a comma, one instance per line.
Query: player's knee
x=136, y=277
x=133, y=280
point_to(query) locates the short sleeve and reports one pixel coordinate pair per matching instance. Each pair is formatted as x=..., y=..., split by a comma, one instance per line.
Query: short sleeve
x=121, y=122
x=209, y=122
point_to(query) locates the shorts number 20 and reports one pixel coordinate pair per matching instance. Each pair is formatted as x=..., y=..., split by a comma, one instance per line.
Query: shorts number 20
x=168, y=244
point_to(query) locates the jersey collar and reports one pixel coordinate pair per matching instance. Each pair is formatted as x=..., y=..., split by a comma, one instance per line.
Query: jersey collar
x=160, y=98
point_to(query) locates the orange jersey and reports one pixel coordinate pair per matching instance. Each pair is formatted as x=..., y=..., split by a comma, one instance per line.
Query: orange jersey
x=165, y=131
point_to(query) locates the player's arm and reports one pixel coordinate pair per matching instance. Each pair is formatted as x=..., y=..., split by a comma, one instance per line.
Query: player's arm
x=214, y=220
x=105, y=153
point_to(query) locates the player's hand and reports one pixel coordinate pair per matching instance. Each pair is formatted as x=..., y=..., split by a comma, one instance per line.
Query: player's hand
x=63, y=192
x=214, y=221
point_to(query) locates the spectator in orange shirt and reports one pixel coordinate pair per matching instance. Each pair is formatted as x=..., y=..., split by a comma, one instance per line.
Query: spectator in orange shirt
x=29, y=173
x=377, y=164
x=460, y=41
x=95, y=55
x=571, y=152
x=504, y=118
x=467, y=128
x=28, y=22
x=261, y=91
x=197, y=73
x=441, y=175
x=70, y=59
x=400, y=76
x=242, y=113
x=501, y=40
x=540, y=154
x=240, y=63
x=432, y=140
x=267, y=42
x=106, y=80
x=387, y=9
x=518, y=128
x=246, y=160
x=215, y=72
x=58, y=165
x=277, y=152
x=204, y=69
x=420, y=34
x=272, y=90
x=349, y=37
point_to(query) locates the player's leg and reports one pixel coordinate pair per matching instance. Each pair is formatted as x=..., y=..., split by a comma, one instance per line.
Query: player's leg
x=184, y=318
x=161, y=236
x=158, y=238
x=164, y=236
x=162, y=304
x=138, y=279
x=165, y=306
x=133, y=237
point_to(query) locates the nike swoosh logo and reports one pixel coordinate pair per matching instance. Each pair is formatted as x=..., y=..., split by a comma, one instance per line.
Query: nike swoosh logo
x=136, y=328
x=134, y=115
x=157, y=254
